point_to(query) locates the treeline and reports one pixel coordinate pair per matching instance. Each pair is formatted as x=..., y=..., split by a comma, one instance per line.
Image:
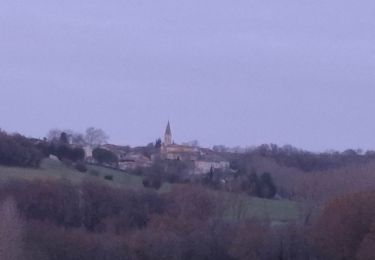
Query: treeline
x=17, y=150
x=246, y=181
x=64, y=152
x=290, y=156
x=58, y=220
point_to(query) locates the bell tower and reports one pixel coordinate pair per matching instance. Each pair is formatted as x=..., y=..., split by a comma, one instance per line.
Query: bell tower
x=168, y=135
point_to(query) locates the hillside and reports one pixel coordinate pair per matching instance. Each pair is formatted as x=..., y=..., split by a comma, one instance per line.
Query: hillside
x=240, y=206
x=51, y=169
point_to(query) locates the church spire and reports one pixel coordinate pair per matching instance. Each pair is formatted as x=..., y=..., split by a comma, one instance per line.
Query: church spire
x=168, y=135
x=168, y=130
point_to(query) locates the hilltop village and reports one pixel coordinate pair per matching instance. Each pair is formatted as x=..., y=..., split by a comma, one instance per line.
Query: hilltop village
x=201, y=160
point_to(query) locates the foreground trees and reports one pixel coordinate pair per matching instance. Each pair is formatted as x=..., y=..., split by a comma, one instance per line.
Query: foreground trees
x=11, y=231
x=345, y=229
x=59, y=220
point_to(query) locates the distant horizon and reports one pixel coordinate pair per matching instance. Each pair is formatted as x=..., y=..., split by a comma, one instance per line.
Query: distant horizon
x=241, y=146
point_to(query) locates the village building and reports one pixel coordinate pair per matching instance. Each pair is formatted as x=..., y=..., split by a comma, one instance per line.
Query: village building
x=130, y=158
x=135, y=160
x=204, y=159
x=171, y=151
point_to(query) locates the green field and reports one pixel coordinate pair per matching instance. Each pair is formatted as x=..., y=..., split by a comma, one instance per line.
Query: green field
x=238, y=206
x=51, y=169
x=277, y=211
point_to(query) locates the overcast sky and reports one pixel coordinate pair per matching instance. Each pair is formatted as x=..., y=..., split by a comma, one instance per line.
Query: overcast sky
x=233, y=72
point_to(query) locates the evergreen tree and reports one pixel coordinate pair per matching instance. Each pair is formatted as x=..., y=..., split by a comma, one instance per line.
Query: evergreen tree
x=64, y=138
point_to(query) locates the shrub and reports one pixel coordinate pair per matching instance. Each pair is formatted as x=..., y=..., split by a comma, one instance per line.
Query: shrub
x=103, y=156
x=81, y=167
x=53, y=201
x=152, y=182
x=108, y=177
x=267, y=188
x=66, y=152
x=49, y=242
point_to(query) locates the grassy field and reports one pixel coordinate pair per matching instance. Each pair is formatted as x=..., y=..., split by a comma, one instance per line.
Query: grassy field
x=239, y=206
x=51, y=169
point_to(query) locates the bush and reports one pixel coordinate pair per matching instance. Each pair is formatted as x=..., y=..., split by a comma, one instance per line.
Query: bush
x=53, y=201
x=101, y=203
x=49, y=242
x=94, y=173
x=81, y=167
x=103, y=156
x=66, y=152
x=108, y=177
x=267, y=188
x=152, y=182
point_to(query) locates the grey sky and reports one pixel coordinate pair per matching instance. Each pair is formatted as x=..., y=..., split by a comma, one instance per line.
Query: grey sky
x=233, y=72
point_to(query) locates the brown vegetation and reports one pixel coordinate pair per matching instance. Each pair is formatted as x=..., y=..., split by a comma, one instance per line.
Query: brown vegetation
x=95, y=221
x=344, y=230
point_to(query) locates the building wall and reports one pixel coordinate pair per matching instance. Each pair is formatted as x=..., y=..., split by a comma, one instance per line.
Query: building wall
x=88, y=151
x=179, y=152
x=180, y=149
x=202, y=167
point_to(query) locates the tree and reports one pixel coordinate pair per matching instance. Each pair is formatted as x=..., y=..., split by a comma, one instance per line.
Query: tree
x=249, y=240
x=345, y=227
x=193, y=143
x=104, y=156
x=253, y=186
x=158, y=143
x=64, y=139
x=53, y=135
x=11, y=227
x=366, y=250
x=267, y=188
x=220, y=148
x=78, y=139
x=65, y=152
x=95, y=137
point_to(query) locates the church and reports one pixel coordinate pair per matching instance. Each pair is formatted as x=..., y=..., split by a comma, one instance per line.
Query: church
x=172, y=151
x=204, y=159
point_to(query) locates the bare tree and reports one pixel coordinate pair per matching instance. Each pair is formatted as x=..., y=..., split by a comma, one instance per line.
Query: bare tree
x=11, y=231
x=54, y=135
x=78, y=139
x=95, y=137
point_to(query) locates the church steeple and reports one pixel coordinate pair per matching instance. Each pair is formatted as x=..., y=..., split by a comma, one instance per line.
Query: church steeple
x=168, y=135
